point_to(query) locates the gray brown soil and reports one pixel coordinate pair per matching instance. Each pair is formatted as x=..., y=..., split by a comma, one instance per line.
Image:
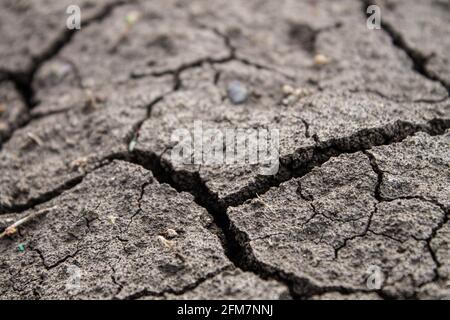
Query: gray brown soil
x=86, y=125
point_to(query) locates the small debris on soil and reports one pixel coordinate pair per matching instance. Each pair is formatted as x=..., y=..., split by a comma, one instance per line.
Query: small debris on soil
x=265, y=203
x=21, y=247
x=133, y=142
x=237, y=92
x=130, y=19
x=321, y=60
x=10, y=231
x=293, y=94
x=79, y=164
x=112, y=219
x=167, y=243
x=35, y=139
x=92, y=100
x=2, y=108
x=170, y=233
x=287, y=89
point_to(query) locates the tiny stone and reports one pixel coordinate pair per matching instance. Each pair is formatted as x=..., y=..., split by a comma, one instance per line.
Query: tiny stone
x=112, y=219
x=320, y=60
x=237, y=92
x=21, y=247
x=10, y=231
x=171, y=233
x=287, y=89
x=79, y=163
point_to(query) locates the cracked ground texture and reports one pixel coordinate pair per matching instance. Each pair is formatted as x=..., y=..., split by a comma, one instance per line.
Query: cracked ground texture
x=86, y=136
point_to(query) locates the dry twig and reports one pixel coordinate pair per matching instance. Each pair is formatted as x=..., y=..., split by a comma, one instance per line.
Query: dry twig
x=12, y=229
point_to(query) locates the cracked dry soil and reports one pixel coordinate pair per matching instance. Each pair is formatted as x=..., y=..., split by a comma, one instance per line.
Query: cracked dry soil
x=364, y=176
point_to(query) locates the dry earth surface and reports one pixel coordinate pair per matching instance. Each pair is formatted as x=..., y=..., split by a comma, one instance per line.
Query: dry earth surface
x=86, y=124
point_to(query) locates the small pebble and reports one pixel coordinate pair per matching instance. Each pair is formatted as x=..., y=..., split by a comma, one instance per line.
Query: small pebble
x=35, y=138
x=320, y=60
x=291, y=95
x=10, y=231
x=171, y=233
x=112, y=219
x=237, y=92
x=287, y=89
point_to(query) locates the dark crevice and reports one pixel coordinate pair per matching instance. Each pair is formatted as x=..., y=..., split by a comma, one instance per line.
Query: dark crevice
x=67, y=185
x=230, y=56
x=236, y=243
x=139, y=210
x=428, y=241
x=418, y=59
x=304, y=160
x=225, y=38
x=114, y=280
x=177, y=72
x=25, y=122
x=192, y=183
x=306, y=124
x=384, y=96
x=45, y=197
x=6, y=136
x=423, y=199
x=23, y=80
x=23, y=84
x=378, y=172
x=234, y=56
x=134, y=134
x=57, y=263
x=361, y=235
